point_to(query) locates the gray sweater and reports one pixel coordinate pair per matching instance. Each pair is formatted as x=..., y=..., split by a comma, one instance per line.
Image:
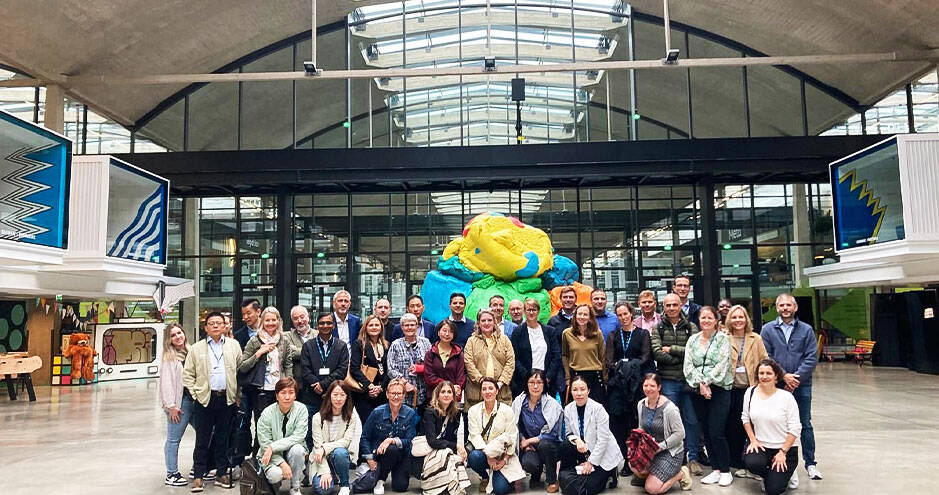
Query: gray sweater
x=674, y=429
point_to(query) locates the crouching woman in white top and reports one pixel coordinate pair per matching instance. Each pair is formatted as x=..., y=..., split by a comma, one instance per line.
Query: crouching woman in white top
x=771, y=419
x=336, y=431
x=589, y=457
x=281, y=431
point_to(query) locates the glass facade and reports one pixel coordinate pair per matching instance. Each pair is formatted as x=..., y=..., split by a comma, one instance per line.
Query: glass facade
x=383, y=244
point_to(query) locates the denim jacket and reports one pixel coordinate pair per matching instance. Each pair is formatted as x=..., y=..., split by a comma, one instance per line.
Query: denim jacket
x=379, y=426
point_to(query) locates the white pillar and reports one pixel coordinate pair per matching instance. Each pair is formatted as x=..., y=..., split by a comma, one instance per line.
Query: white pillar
x=801, y=255
x=55, y=109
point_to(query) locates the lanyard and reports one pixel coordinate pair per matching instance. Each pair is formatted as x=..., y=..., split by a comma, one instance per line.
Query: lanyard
x=412, y=350
x=218, y=357
x=651, y=418
x=319, y=347
x=628, y=340
x=743, y=343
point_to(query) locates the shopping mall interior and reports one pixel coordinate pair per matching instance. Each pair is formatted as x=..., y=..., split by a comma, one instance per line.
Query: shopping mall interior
x=292, y=160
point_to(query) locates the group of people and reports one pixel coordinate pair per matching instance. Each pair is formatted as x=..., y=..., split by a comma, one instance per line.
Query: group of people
x=573, y=402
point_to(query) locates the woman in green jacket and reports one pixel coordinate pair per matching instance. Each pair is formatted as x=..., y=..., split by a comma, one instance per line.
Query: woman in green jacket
x=281, y=433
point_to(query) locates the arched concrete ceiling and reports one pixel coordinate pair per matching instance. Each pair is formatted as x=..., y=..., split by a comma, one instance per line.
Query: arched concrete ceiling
x=136, y=37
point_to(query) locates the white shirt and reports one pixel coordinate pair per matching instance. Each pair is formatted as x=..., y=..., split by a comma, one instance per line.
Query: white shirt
x=216, y=364
x=342, y=328
x=539, y=348
x=772, y=418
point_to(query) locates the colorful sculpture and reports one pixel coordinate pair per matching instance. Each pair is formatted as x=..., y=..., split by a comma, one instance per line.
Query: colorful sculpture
x=520, y=289
x=503, y=247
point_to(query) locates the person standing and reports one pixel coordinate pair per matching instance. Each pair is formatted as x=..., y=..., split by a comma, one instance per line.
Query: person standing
x=747, y=352
x=336, y=433
x=281, y=429
x=297, y=336
x=406, y=361
x=539, y=418
x=323, y=360
x=210, y=373
x=424, y=329
x=265, y=360
x=488, y=354
x=537, y=347
x=175, y=399
x=723, y=309
x=497, y=305
x=251, y=317
x=708, y=371
x=371, y=351
x=464, y=325
x=792, y=343
x=516, y=312
x=444, y=361
x=383, y=311
x=605, y=319
x=648, y=318
x=583, y=352
x=681, y=287
x=565, y=315
x=771, y=419
x=628, y=358
x=589, y=456
x=386, y=439
x=668, y=349
x=347, y=324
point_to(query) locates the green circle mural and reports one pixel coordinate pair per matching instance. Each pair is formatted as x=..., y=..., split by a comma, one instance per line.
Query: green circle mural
x=2, y=349
x=4, y=328
x=16, y=339
x=17, y=315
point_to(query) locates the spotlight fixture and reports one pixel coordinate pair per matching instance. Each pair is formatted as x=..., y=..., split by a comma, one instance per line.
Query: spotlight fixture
x=311, y=69
x=489, y=64
x=671, y=57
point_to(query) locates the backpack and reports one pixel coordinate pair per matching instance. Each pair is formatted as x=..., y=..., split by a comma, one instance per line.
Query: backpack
x=254, y=479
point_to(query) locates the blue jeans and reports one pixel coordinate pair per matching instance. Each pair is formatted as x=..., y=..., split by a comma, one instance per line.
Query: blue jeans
x=803, y=396
x=673, y=389
x=476, y=460
x=310, y=411
x=339, y=463
x=174, y=433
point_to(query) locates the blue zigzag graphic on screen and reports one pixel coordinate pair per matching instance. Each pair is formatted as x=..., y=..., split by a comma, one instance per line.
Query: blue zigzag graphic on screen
x=141, y=239
x=866, y=195
x=16, y=222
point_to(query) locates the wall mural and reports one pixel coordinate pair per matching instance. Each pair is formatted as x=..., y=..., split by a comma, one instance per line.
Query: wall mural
x=12, y=326
x=137, y=206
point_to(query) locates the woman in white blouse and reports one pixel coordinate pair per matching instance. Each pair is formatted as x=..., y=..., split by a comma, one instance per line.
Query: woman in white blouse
x=771, y=419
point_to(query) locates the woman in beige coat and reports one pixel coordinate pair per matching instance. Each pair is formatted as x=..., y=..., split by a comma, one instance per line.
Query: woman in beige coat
x=744, y=364
x=488, y=353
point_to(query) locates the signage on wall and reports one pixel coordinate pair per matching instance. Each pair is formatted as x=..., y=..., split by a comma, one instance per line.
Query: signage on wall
x=34, y=175
x=866, y=197
x=137, y=209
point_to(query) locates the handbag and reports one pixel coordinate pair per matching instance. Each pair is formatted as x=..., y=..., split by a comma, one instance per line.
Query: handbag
x=253, y=479
x=419, y=445
x=370, y=372
x=365, y=483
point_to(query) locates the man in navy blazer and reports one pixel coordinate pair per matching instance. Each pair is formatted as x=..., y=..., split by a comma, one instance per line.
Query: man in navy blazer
x=347, y=324
x=416, y=308
x=681, y=286
x=792, y=344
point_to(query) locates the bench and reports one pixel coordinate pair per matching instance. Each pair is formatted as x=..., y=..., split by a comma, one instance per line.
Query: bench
x=861, y=352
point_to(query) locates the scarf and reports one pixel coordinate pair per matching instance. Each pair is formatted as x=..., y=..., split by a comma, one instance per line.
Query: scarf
x=273, y=357
x=181, y=354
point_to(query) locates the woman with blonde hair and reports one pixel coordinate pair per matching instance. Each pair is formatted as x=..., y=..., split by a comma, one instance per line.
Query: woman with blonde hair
x=444, y=470
x=488, y=353
x=175, y=399
x=368, y=366
x=266, y=359
x=747, y=351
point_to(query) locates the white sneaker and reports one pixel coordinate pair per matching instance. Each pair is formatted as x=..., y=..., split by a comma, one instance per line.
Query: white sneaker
x=712, y=478
x=379, y=488
x=344, y=490
x=725, y=479
x=794, y=481
x=814, y=473
x=295, y=491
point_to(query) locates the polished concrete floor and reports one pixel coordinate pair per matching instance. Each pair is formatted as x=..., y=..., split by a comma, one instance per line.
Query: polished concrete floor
x=877, y=431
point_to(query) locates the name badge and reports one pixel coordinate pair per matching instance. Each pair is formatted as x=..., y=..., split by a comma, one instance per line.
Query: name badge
x=741, y=369
x=324, y=371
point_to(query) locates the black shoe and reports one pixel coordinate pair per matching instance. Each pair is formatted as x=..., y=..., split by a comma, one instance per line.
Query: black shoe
x=637, y=481
x=614, y=481
x=625, y=471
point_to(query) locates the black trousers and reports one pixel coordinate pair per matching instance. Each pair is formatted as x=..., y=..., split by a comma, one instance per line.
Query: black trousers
x=544, y=457
x=594, y=381
x=249, y=397
x=712, y=420
x=578, y=484
x=622, y=424
x=216, y=417
x=761, y=464
x=397, y=462
x=736, y=436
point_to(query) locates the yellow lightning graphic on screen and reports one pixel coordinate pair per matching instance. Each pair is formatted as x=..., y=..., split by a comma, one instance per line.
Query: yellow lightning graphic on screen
x=869, y=194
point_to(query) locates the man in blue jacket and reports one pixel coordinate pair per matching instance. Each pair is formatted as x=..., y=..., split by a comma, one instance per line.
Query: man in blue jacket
x=347, y=324
x=606, y=320
x=793, y=345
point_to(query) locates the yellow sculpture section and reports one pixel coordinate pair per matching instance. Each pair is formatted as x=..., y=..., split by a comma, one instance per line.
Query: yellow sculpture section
x=503, y=247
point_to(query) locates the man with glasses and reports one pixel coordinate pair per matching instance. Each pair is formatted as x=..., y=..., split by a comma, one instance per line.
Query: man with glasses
x=681, y=287
x=426, y=328
x=323, y=360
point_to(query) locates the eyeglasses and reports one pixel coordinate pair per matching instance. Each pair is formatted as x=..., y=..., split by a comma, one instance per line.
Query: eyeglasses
x=536, y=382
x=396, y=394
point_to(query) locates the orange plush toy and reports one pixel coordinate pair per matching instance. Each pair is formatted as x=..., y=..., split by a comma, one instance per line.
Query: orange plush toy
x=81, y=355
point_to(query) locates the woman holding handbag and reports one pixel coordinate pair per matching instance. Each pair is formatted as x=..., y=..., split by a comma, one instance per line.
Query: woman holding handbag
x=336, y=432
x=493, y=436
x=444, y=470
x=368, y=358
x=661, y=419
x=406, y=360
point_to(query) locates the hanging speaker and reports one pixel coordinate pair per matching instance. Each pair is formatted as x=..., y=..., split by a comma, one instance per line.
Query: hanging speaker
x=518, y=89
